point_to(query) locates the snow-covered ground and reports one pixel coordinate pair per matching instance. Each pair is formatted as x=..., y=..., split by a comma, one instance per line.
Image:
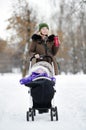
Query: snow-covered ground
x=70, y=100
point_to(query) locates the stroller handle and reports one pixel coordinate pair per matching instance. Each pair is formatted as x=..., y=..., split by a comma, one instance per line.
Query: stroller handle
x=41, y=57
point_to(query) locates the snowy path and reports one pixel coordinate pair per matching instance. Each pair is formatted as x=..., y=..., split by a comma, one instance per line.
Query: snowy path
x=70, y=99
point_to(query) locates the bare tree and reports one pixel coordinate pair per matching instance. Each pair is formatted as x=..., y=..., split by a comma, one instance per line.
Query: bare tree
x=22, y=27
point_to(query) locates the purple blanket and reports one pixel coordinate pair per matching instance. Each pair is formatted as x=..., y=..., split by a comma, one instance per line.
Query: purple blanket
x=33, y=76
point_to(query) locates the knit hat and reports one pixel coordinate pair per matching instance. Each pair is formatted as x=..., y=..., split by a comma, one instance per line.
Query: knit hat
x=41, y=25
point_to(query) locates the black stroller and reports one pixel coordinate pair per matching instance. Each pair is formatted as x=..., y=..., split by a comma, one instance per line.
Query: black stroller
x=42, y=89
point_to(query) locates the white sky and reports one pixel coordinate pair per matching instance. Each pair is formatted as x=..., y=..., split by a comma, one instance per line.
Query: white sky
x=5, y=13
x=41, y=6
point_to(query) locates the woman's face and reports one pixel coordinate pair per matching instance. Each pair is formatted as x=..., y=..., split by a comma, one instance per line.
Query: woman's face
x=44, y=31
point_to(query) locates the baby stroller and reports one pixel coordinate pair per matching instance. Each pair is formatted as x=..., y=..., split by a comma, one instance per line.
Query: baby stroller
x=41, y=83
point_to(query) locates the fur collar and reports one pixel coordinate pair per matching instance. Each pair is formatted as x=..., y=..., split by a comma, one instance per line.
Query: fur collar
x=37, y=37
x=51, y=38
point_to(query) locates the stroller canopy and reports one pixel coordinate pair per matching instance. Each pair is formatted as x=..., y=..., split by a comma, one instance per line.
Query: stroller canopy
x=42, y=67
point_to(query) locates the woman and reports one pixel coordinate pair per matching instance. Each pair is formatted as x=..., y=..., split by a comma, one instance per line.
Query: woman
x=42, y=44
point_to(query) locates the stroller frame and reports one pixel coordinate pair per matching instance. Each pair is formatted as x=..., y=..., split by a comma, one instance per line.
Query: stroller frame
x=31, y=113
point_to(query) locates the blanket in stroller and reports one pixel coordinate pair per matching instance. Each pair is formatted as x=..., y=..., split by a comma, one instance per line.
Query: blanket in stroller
x=39, y=70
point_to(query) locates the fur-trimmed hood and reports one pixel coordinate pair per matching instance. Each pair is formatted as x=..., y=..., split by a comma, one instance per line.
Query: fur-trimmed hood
x=36, y=37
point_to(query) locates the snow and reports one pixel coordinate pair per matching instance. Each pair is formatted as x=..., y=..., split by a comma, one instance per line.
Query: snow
x=70, y=99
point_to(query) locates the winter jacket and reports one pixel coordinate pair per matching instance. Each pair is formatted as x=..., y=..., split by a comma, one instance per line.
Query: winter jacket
x=44, y=47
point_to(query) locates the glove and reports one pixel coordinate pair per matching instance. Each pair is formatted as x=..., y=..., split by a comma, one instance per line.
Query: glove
x=56, y=41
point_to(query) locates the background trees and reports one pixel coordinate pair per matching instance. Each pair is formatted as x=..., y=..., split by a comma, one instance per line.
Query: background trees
x=67, y=20
x=71, y=30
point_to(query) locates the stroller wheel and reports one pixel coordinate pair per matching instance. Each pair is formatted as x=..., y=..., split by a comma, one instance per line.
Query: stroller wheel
x=54, y=113
x=30, y=114
x=27, y=116
x=51, y=114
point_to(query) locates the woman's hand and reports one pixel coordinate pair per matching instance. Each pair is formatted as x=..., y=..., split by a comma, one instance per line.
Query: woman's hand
x=37, y=56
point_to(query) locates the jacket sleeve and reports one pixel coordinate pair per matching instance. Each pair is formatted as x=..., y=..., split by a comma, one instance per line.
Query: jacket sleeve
x=32, y=49
x=54, y=50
